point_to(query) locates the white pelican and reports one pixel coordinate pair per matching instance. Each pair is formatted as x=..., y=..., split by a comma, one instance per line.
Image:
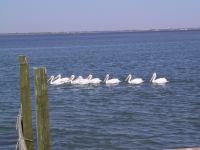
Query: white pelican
x=134, y=81
x=58, y=77
x=111, y=81
x=94, y=80
x=159, y=80
x=76, y=81
x=56, y=82
x=84, y=81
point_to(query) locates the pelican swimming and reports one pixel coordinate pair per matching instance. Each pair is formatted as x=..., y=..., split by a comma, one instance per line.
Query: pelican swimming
x=111, y=81
x=159, y=80
x=76, y=81
x=134, y=81
x=84, y=81
x=62, y=79
x=55, y=82
x=94, y=80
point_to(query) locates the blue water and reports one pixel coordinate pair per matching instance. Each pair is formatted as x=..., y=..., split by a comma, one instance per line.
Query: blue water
x=122, y=116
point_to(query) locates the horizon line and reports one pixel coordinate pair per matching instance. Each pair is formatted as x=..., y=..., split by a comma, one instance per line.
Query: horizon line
x=103, y=31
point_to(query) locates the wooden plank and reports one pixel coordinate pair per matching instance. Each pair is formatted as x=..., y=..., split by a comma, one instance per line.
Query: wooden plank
x=25, y=101
x=42, y=112
x=21, y=141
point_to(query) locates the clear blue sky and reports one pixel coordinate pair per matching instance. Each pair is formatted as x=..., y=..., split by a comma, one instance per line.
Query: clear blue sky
x=96, y=15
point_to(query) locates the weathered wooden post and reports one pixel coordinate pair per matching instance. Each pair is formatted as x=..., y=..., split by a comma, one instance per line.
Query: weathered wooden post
x=25, y=101
x=42, y=112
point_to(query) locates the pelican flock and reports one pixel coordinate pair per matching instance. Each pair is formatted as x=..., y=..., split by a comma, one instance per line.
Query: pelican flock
x=89, y=80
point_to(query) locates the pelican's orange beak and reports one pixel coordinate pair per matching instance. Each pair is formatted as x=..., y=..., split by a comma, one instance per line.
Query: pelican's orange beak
x=152, y=78
x=127, y=77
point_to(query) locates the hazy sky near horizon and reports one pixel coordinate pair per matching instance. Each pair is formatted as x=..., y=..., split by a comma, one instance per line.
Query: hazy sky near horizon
x=96, y=15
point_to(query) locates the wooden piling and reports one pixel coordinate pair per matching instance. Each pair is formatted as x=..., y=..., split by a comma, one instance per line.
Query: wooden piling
x=42, y=113
x=25, y=101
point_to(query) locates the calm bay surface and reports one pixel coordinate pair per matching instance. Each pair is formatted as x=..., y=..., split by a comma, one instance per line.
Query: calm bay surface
x=122, y=116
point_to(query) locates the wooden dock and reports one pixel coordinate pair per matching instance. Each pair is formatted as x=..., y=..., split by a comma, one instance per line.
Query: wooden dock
x=24, y=119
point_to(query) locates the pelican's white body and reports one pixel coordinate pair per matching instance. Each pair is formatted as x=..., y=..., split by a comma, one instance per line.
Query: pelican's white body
x=76, y=81
x=134, y=81
x=94, y=80
x=111, y=81
x=65, y=80
x=55, y=82
x=159, y=80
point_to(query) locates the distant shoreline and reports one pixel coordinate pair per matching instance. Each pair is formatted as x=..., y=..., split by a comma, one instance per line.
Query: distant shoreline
x=109, y=31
